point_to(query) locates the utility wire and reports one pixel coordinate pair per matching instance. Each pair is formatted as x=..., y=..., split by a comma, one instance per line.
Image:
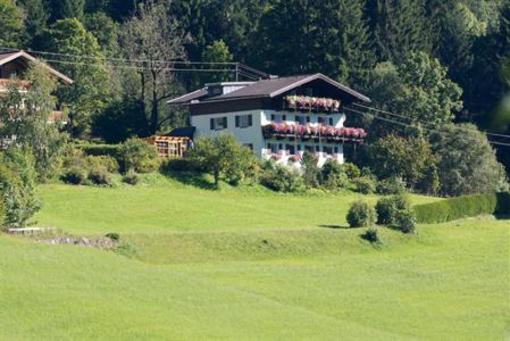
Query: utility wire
x=409, y=118
x=408, y=125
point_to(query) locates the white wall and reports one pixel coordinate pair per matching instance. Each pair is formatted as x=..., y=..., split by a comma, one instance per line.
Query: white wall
x=250, y=135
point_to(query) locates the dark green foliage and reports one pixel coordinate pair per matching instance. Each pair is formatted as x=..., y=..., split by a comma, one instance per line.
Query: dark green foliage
x=179, y=165
x=281, y=179
x=389, y=208
x=456, y=208
x=333, y=176
x=503, y=207
x=74, y=176
x=139, y=156
x=311, y=171
x=112, y=150
x=113, y=236
x=365, y=185
x=2, y=208
x=131, y=178
x=108, y=163
x=18, y=186
x=100, y=176
x=11, y=22
x=351, y=170
x=224, y=158
x=405, y=221
x=372, y=235
x=361, y=214
x=392, y=185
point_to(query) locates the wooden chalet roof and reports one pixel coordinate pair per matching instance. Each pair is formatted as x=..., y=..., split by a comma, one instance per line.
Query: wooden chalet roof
x=11, y=56
x=266, y=88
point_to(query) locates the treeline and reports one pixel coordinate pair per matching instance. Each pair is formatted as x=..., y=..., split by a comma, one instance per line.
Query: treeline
x=430, y=62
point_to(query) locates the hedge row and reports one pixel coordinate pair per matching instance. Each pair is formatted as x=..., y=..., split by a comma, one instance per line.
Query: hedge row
x=112, y=150
x=463, y=207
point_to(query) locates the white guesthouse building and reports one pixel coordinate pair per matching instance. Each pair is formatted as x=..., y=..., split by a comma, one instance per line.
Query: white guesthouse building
x=277, y=118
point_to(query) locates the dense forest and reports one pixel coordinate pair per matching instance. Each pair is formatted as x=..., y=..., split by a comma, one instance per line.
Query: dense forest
x=428, y=62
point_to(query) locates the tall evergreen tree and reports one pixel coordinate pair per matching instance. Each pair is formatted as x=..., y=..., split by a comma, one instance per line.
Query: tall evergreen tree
x=36, y=20
x=11, y=22
x=399, y=27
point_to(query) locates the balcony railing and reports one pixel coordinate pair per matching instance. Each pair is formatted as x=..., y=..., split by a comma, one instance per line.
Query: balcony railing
x=312, y=104
x=309, y=132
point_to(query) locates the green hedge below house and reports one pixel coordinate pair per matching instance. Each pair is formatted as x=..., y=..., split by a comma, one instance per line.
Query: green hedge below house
x=460, y=207
x=112, y=150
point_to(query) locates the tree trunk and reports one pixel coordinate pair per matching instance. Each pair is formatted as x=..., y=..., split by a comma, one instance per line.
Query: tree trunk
x=155, y=103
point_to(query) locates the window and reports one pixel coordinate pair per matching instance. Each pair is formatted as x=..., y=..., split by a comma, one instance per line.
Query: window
x=331, y=121
x=317, y=148
x=309, y=92
x=278, y=118
x=321, y=120
x=219, y=123
x=273, y=147
x=300, y=119
x=244, y=121
x=290, y=148
x=327, y=150
x=249, y=146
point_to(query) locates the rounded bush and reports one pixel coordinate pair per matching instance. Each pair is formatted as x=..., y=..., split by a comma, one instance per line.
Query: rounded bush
x=405, y=221
x=131, y=178
x=371, y=235
x=351, y=170
x=365, y=185
x=388, y=208
x=139, y=156
x=107, y=162
x=281, y=179
x=74, y=176
x=361, y=214
x=100, y=176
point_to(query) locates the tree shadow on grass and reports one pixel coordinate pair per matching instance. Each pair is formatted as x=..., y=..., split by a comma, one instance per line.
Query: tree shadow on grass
x=192, y=178
x=336, y=227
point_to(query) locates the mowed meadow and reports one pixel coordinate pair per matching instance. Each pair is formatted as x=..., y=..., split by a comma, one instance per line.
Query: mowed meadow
x=248, y=264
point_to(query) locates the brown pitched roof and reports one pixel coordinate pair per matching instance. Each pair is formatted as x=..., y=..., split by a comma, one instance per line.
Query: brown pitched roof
x=268, y=88
x=10, y=56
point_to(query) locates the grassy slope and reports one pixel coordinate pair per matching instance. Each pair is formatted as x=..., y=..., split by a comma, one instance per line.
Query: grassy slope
x=451, y=282
x=233, y=265
x=170, y=206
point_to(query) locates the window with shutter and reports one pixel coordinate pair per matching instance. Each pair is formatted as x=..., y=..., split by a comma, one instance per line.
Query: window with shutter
x=237, y=121
x=213, y=126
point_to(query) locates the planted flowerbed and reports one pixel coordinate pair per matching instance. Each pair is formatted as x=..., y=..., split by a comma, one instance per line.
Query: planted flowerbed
x=307, y=103
x=283, y=130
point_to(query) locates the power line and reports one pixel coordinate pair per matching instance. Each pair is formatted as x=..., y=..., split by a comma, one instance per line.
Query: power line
x=409, y=118
x=408, y=125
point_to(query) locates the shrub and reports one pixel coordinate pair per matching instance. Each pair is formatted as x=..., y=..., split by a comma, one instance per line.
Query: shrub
x=388, y=208
x=405, y=221
x=224, y=158
x=333, y=176
x=18, y=186
x=365, y=185
x=361, y=214
x=131, y=178
x=2, y=209
x=456, y=208
x=139, y=156
x=74, y=176
x=311, y=171
x=282, y=179
x=178, y=165
x=351, y=170
x=107, y=162
x=113, y=236
x=393, y=185
x=112, y=150
x=100, y=176
x=371, y=235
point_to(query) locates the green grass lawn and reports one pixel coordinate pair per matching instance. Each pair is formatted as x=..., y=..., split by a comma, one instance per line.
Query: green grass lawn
x=249, y=264
x=170, y=206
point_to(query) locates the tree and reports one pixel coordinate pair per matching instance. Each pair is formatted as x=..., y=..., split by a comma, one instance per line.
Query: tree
x=90, y=92
x=63, y=9
x=311, y=171
x=105, y=30
x=29, y=121
x=399, y=27
x=408, y=158
x=467, y=162
x=36, y=20
x=155, y=38
x=223, y=157
x=18, y=186
x=218, y=51
x=419, y=89
x=11, y=22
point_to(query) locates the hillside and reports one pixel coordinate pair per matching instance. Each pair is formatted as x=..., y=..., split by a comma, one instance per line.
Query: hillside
x=228, y=276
